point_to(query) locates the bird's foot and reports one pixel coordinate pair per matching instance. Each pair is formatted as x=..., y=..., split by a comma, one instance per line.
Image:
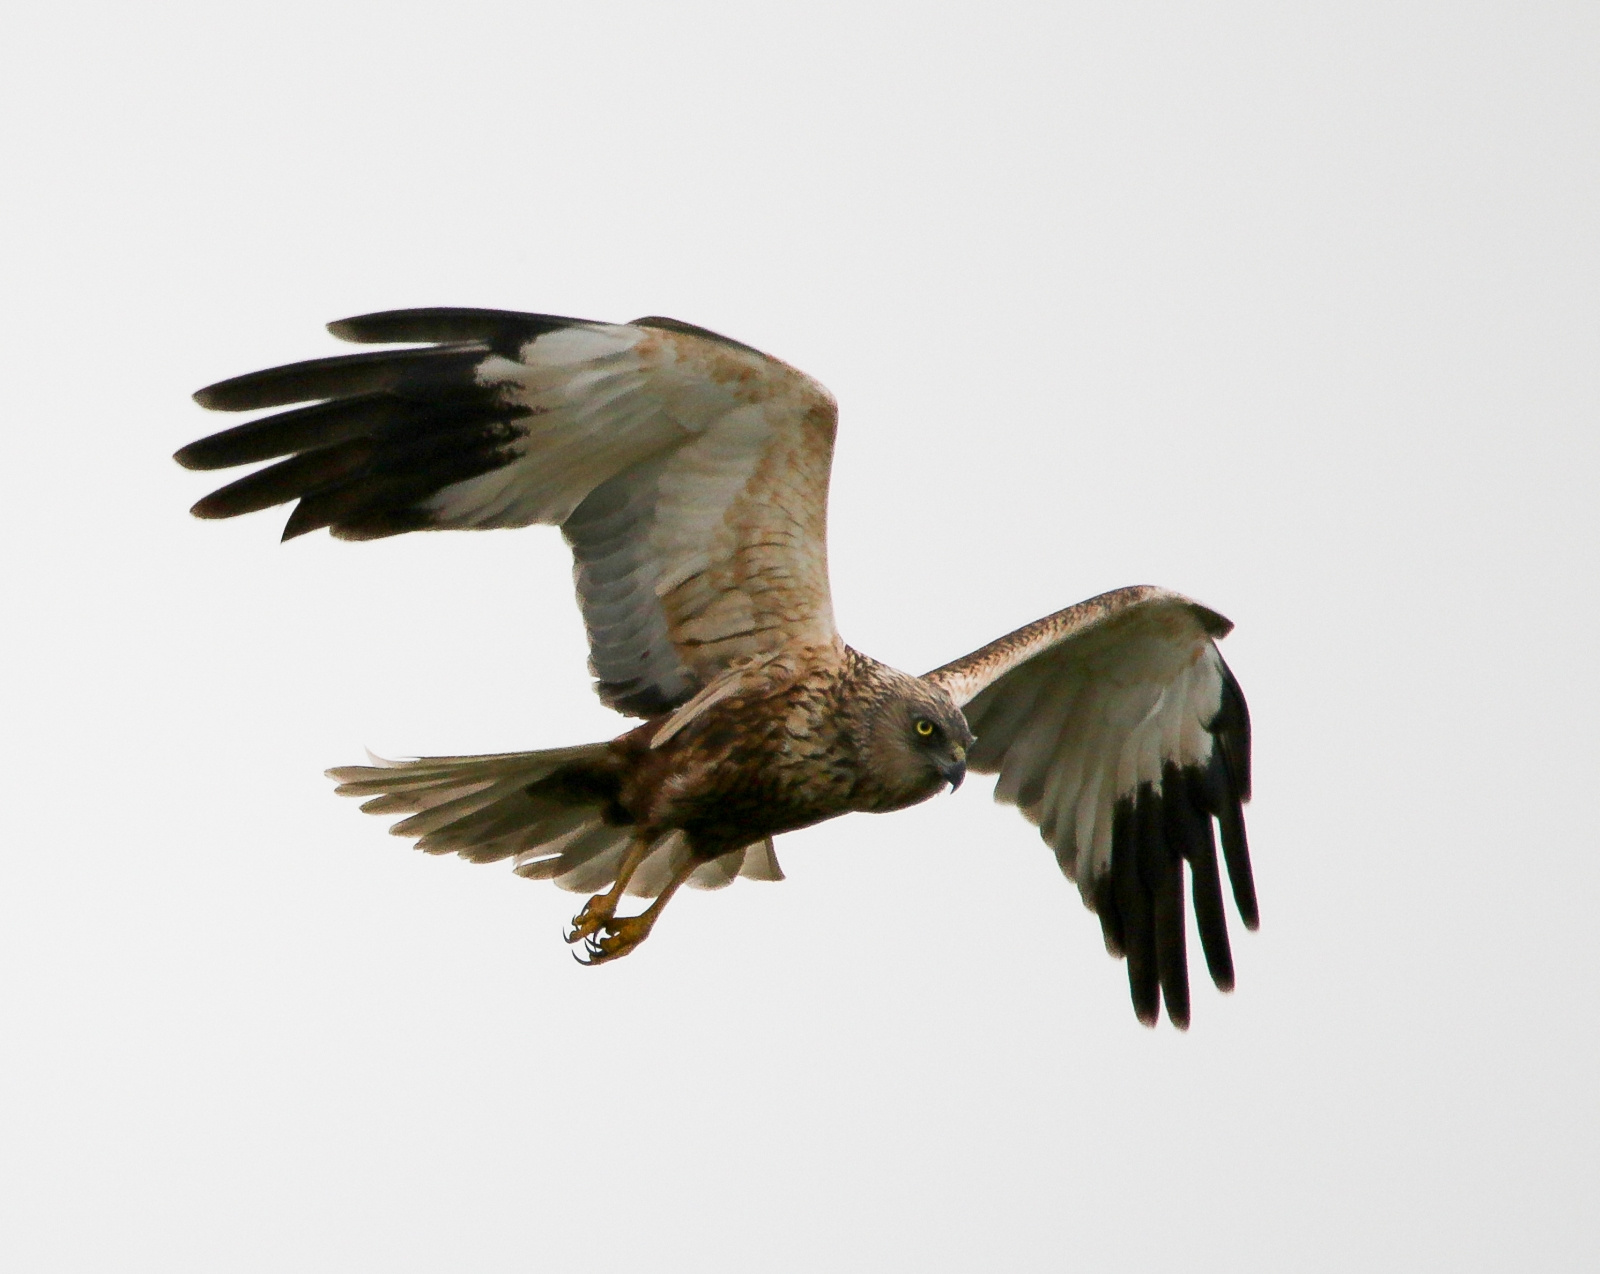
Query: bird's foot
x=611, y=938
x=596, y=913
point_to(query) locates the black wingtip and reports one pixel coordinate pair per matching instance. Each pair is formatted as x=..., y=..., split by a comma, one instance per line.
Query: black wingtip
x=1135, y=909
x=504, y=330
x=1231, y=726
x=369, y=329
x=345, y=376
x=303, y=519
x=346, y=329
x=1236, y=853
x=233, y=394
x=189, y=458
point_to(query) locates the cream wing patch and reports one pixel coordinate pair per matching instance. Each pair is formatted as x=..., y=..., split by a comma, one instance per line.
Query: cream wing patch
x=1079, y=710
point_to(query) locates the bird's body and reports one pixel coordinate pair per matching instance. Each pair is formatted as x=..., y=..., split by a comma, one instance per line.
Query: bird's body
x=757, y=764
x=689, y=474
x=787, y=748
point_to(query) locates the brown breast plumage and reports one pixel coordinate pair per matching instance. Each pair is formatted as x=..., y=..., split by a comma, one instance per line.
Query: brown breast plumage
x=771, y=754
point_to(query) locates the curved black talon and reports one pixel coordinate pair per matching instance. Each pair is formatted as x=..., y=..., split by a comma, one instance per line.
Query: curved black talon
x=597, y=954
x=584, y=923
x=593, y=953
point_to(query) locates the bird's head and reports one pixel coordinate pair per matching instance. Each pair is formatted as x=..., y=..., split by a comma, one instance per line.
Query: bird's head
x=917, y=741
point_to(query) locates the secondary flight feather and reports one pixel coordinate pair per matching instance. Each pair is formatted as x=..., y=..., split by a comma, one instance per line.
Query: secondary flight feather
x=689, y=474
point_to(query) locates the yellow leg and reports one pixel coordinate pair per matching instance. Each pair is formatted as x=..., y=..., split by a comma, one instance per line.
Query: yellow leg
x=618, y=937
x=599, y=909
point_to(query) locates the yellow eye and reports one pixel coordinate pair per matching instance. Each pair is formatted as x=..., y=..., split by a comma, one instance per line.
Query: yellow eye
x=924, y=728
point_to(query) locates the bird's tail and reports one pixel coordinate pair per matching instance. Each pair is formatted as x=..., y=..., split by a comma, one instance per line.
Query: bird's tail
x=554, y=813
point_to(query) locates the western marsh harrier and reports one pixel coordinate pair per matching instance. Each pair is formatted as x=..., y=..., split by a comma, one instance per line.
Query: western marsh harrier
x=689, y=473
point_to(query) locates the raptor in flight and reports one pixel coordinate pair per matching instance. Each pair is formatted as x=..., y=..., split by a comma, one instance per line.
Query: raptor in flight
x=689, y=473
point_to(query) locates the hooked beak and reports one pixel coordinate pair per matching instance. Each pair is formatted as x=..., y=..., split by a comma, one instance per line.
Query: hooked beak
x=954, y=770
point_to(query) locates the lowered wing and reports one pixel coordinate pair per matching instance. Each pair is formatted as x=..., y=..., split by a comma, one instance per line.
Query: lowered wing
x=1115, y=726
x=688, y=472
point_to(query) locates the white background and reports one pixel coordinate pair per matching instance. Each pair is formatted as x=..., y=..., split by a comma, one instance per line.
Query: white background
x=1292, y=308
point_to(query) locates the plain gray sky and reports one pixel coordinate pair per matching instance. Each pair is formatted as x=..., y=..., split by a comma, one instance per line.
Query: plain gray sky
x=1292, y=308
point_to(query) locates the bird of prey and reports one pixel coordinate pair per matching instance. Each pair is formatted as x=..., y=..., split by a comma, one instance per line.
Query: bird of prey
x=689, y=474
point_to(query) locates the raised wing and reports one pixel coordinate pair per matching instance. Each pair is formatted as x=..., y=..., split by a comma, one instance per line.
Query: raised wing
x=1116, y=727
x=688, y=472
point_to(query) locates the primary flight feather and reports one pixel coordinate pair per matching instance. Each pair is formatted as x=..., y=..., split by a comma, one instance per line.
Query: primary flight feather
x=689, y=473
